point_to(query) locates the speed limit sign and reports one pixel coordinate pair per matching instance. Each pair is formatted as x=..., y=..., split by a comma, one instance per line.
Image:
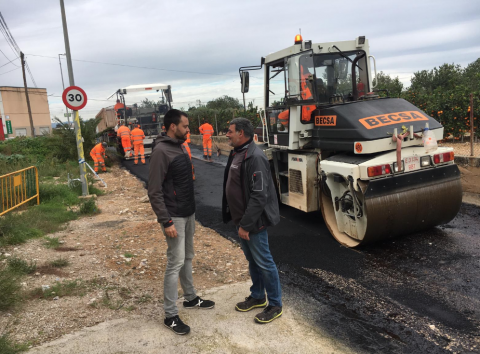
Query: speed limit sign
x=74, y=98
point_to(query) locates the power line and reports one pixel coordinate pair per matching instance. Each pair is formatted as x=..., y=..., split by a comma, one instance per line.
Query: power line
x=9, y=71
x=7, y=57
x=140, y=67
x=13, y=44
x=10, y=62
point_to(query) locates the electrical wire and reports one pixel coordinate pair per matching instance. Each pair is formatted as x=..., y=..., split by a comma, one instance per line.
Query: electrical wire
x=10, y=62
x=139, y=67
x=9, y=71
x=13, y=44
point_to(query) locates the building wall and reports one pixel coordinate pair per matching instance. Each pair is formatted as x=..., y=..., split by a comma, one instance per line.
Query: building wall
x=13, y=104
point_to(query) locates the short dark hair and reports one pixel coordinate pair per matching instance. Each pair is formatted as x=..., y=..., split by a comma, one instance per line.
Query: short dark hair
x=173, y=116
x=243, y=124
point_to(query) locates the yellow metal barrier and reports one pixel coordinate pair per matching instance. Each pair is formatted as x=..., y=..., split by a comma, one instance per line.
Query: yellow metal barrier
x=18, y=188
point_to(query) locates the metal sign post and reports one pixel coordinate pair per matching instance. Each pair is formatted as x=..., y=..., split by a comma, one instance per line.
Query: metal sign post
x=76, y=122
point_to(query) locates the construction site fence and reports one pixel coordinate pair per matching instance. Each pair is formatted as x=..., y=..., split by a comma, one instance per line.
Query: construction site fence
x=18, y=188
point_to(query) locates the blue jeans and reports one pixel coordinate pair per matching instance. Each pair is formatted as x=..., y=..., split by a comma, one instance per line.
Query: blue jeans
x=263, y=270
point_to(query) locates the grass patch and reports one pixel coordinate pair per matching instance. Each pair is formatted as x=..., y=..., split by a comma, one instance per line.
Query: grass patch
x=52, y=242
x=10, y=289
x=21, y=266
x=128, y=255
x=61, y=289
x=88, y=207
x=8, y=347
x=59, y=263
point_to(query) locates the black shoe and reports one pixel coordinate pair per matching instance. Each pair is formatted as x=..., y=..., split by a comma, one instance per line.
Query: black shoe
x=176, y=325
x=198, y=303
x=204, y=157
x=250, y=303
x=269, y=314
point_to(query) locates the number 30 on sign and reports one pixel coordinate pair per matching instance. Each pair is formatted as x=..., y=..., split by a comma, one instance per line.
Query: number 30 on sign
x=74, y=98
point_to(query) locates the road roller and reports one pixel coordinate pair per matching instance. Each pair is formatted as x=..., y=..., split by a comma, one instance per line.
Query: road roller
x=368, y=161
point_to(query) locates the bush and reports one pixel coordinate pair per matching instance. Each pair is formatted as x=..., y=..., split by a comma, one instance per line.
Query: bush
x=7, y=347
x=21, y=266
x=10, y=289
x=58, y=192
x=59, y=263
x=88, y=207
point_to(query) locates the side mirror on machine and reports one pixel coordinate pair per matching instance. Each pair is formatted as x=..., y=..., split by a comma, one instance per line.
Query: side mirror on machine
x=245, y=77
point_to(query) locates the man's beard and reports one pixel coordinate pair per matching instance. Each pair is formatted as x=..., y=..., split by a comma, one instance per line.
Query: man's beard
x=180, y=136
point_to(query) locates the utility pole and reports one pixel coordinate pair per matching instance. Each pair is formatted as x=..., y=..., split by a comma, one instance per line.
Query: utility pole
x=22, y=57
x=76, y=121
x=63, y=85
x=471, y=125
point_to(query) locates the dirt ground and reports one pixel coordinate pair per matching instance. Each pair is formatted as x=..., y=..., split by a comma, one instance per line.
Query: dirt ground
x=118, y=258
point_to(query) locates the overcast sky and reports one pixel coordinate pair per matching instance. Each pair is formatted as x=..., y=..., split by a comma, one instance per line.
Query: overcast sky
x=201, y=44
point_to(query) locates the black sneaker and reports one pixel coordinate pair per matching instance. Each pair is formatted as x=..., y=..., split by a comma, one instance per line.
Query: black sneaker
x=199, y=303
x=176, y=325
x=269, y=314
x=250, y=303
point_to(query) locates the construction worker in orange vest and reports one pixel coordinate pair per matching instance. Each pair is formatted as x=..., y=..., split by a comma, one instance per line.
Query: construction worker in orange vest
x=185, y=144
x=137, y=139
x=306, y=94
x=98, y=156
x=117, y=106
x=124, y=133
x=207, y=131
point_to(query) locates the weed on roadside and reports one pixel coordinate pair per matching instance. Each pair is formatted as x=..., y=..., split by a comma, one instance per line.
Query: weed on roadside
x=21, y=266
x=129, y=255
x=59, y=263
x=10, y=289
x=8, y=347
x=61, y=289
x=88, y=207
x=51, y=242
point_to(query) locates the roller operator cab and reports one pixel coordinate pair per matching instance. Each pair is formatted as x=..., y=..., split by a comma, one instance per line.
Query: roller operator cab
x=335, y=145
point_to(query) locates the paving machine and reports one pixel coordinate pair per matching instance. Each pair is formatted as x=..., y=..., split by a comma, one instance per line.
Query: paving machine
x=150, y=119
x=335, y=145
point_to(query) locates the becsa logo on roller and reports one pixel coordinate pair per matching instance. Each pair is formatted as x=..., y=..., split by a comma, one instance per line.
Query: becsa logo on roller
x=391, y=118
x=325, y=120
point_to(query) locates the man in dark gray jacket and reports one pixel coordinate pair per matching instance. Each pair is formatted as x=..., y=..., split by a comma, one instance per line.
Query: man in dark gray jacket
x=250, y=200
x=170, y=189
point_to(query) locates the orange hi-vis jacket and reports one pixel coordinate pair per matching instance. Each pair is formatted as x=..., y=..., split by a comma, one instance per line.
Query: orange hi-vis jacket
x=188, y=138
x=118, y=106
x=137, y=136
x=206, y=130
x=123, y=132
x=98, y=151
x=306, y=94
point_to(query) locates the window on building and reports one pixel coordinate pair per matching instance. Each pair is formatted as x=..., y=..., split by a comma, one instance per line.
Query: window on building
x=21, y=132
x=44, y=130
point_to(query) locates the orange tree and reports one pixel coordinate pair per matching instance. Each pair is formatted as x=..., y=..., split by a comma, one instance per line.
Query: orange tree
x=444, y=94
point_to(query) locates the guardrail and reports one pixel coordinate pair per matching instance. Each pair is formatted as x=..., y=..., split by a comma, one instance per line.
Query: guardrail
x=18, y=188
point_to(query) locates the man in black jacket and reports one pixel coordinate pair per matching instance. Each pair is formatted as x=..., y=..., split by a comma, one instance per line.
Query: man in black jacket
x=170, y=189
x=250, y=200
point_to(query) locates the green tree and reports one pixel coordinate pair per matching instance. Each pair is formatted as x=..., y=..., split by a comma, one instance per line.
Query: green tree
x=444, y=94
x=386, y=82
x=63, y=144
